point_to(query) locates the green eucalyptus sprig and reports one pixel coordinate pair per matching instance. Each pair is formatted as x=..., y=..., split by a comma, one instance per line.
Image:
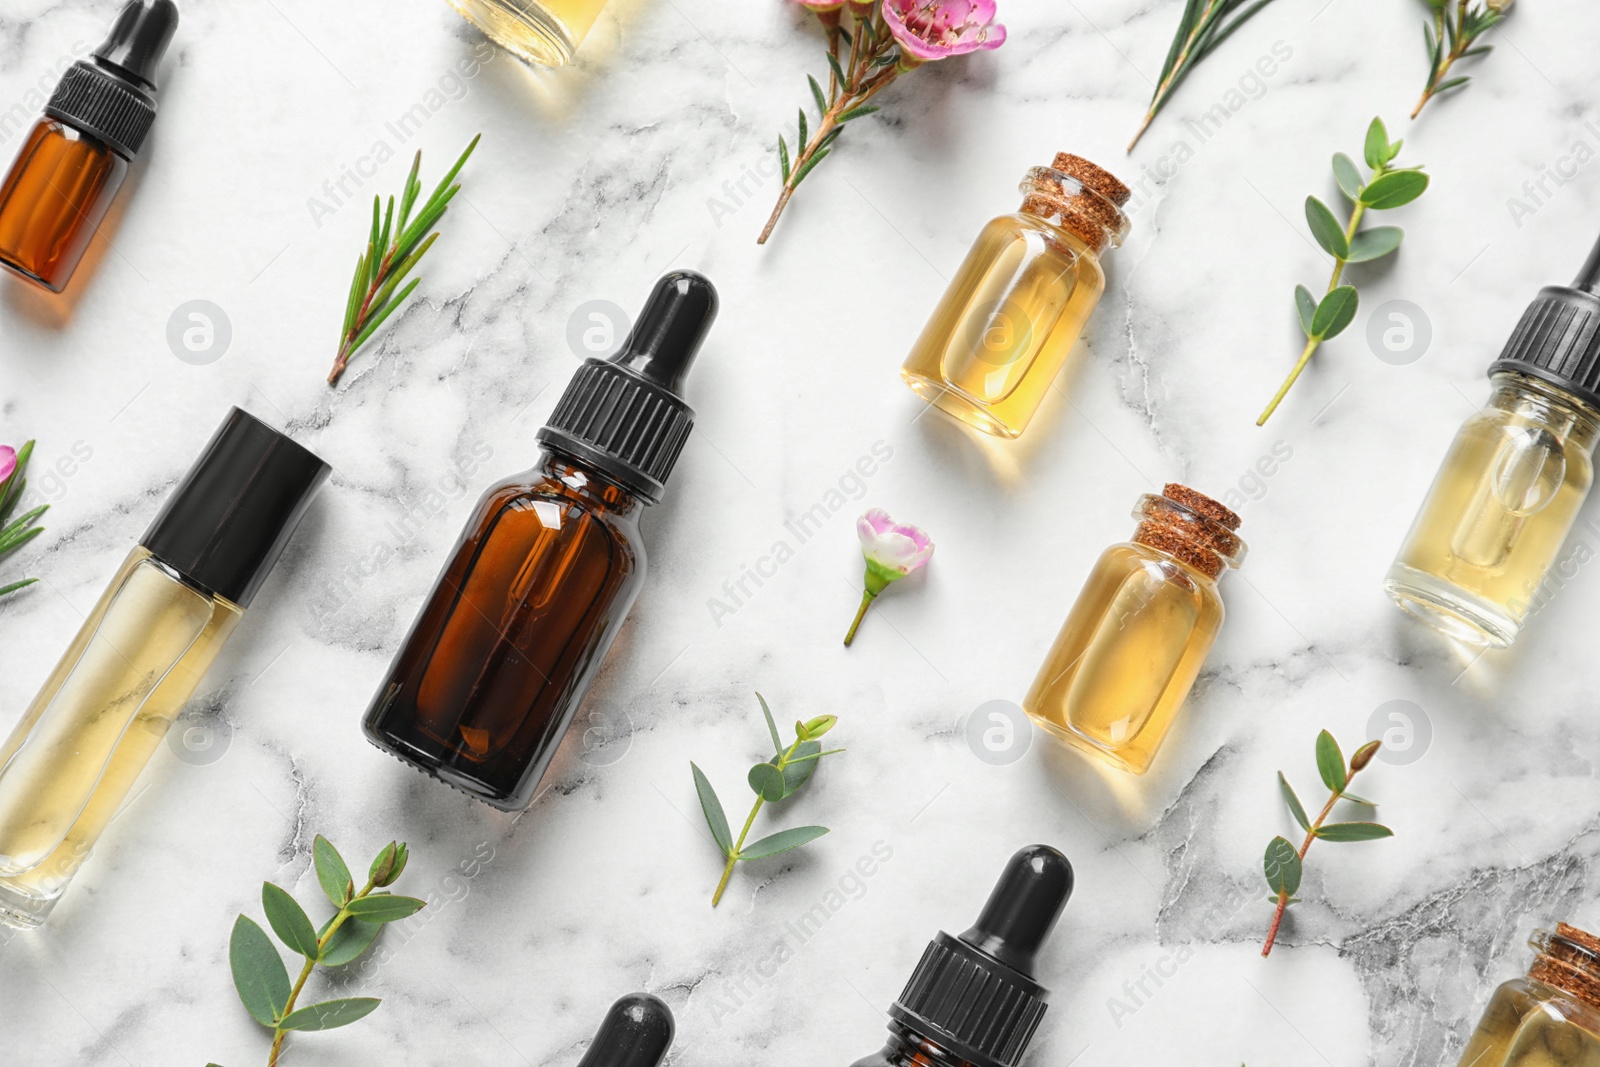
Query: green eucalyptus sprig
x=1283, y=862
x=1205, y=25
x=258, y=971
x=394, y=248
x=772, y=781
x=21, y=530
x=1388, y=187
x=1453, y=35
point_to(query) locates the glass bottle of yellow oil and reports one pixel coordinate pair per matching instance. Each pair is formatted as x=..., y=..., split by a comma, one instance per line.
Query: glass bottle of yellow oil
x=546, y=32
x=73, y=758
x=1011, y=315
x=1479, y=552
x=1551, y=1018
x=1139, y=632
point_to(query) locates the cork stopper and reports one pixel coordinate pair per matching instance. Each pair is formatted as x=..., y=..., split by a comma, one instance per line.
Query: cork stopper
x=1569, y=960
x=1191, y=527
x=1084, y=199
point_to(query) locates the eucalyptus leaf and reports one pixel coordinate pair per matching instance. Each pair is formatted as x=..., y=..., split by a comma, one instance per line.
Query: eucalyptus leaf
x=1306, y=304
x=1347, y=175
x=1295, y=807
x=1376, y=149
x=712, y=807
x=384, y=907
x=330, y=1014
x=1282, y=867
x=348, y=942
x=782, y=841
x=772, y=726
x=1335, y=312
x=1352, y=831
x=1395, y=189
x=289, y=920
x=1375, y=243
x=332, y=872
x=258, y=972
x=799, y=771
x=1326, y=229
x=1330, y=762
x=766, y=781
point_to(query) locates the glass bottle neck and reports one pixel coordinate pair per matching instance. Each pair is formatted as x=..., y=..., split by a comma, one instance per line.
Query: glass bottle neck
x=1559, y=412
x=1568, y=960
x=906, y=1048
x=585, y=482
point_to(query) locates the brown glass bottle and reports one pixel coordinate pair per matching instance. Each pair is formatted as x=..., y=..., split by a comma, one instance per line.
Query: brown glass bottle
x=511, y=637
x=75, y=158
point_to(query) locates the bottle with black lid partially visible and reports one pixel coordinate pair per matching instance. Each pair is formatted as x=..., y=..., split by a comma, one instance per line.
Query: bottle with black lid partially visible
x=973, y=1000
x=1478, y=560
x=75, y=158
x=537, y=588
x=637, y=1032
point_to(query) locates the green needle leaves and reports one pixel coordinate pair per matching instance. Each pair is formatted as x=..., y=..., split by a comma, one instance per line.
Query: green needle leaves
x=772, y=781
x=259, y=973
x=1284, y=864
x=394, y=248
x=14, y=533
x=1453, y=35
x=1346, y=242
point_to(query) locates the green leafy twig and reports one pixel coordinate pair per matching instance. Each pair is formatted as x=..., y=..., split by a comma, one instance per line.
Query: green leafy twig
x=1388, y=187
x=1283, y=862
x=16, y=533
x=393, y=250
x=1204, y=26
x=258, y=971
x=1453, y=35
x=854, y=78
x=773, y=780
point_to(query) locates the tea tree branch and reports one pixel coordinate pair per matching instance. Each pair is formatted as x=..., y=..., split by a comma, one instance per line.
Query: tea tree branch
x=1452, y=36
x=1205, y=25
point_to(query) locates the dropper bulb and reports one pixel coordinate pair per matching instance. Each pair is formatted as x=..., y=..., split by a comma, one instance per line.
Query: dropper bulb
x=139, y=38
x=637, y=1032
x=1023, y=907
x=669, y=331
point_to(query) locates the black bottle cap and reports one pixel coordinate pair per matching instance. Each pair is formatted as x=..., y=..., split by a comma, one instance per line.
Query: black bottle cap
x=1558, y=339
x=225, y=525
x=637, y=1033
x=111, y=95
x=625, y=416
x=975, y=995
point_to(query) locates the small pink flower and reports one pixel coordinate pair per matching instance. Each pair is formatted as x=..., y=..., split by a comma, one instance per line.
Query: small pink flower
x=938, y=29
x=892, y=551
x=8, y=463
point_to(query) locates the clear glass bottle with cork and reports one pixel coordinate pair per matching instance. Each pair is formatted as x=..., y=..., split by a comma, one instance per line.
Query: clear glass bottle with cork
x=1551, y=1018
x=1140, y=631
x=1014, y=310
x=1506, y=496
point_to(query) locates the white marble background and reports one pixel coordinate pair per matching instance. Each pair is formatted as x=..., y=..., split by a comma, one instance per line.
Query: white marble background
x=591, y=182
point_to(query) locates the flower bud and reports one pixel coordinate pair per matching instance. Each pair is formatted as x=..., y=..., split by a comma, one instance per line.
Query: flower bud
x=1499, y=7
x=1364, y=755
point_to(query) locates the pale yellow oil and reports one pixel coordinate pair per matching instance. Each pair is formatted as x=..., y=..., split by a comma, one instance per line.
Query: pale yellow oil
x=1006, y=324
x=1127, y=656
x=1528, y=1024
x=546, y=32
x=1495, y=519
x=70, y=763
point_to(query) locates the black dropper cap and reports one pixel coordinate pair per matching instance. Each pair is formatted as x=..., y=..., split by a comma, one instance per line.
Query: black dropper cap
x=625, y=416
x=225, y=525
x=975, y=995
x=112, y=95
x=637, y=1033
x=1558, y=339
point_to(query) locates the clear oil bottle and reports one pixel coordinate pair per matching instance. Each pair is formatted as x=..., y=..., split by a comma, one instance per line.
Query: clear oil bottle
x=1551, y=1018
x=1014, y=310
x=1513, y=481
x=1139, y=632
x=546, y=32
x=102, y=713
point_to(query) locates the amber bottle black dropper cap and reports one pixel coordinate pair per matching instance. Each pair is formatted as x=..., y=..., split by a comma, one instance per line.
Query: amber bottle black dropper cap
x=637, y=1033
x=111, y=95
x=975, y=995
x=1558, y=339
x=625, y=416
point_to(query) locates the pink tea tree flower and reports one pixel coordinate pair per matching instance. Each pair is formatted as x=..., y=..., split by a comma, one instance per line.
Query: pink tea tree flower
x=892, y=551
x=16, y=533
x=8, y=464
x=885, y=39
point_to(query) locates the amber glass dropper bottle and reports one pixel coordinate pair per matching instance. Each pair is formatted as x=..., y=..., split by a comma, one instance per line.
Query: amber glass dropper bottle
x=538, y=587
x=637, y=1032
x=75, y=158
x=973, y=1001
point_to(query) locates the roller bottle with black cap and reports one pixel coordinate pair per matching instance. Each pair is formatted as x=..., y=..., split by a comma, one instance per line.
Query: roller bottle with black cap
x=74, y=159
x=637, y=1032
x=973, y=1000
x=80, y=746
x=537, y=588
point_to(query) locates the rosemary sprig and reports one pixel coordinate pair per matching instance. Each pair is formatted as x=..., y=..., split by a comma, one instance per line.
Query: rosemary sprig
x=21, y=530
x=1283, y=862
x=393, y=251
x=1204, y=26
x=1389, y=187
x=854, y=78
x=258, y=971
x=773, y=780
x=1453, y=35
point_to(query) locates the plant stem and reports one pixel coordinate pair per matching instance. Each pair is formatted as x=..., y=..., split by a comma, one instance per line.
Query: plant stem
x=859, y=90
x=1283, y=897
x=1464, y=44
x=347, y=345
x=1312, y=342
x=733, y=856
x=866, y=602
x=305, y=972
x=1170, y=82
